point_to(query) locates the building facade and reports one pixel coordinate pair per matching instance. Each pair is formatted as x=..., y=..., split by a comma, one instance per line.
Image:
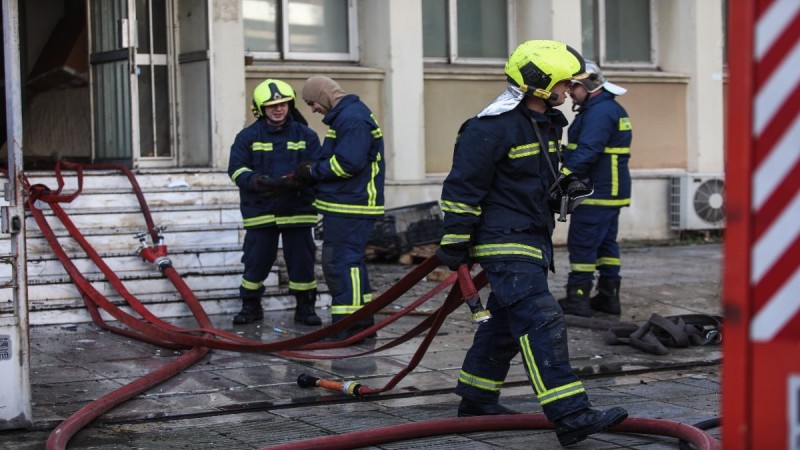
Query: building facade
x=170, y=85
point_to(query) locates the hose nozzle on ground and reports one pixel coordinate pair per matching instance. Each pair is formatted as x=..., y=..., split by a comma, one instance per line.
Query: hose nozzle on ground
x=348, y=387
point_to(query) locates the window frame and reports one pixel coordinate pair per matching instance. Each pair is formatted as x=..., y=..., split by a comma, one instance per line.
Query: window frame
x=284, y=54
x=452, y=37
x=600, y=38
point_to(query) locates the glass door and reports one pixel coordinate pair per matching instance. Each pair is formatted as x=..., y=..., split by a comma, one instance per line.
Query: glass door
x=132, y=77
x=154, y=77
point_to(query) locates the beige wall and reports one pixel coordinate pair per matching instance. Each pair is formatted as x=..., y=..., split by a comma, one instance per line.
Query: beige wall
x=450, y=99
x=657, y=107
x=657, y=112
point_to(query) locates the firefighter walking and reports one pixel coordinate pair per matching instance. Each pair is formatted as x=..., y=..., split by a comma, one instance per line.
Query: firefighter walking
x=499, y=212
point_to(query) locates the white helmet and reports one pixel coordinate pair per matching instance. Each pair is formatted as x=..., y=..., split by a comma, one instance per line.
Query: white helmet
x=596, y=80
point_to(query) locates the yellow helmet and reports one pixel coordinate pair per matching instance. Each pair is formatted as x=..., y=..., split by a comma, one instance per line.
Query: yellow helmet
x=271, y=92
x=536, y=66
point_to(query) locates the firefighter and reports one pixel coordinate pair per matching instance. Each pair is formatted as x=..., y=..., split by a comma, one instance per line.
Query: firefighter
x=499, y=212
x=348, y=179
x=272, y=207
x=599, y=147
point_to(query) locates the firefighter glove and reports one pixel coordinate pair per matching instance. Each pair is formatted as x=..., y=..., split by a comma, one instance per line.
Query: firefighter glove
x=302, y=174
x=453, y=255
x=262, y=183
x=275, y=187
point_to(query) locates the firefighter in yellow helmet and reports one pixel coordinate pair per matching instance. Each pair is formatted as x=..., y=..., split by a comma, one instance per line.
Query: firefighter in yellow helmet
x=499, y=213
x=262, y=160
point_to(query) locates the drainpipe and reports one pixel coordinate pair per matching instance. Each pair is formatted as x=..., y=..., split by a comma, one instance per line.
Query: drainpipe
x=15, y=397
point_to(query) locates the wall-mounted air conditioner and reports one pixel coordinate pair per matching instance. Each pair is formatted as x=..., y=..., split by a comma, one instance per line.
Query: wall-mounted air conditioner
x=697, y=201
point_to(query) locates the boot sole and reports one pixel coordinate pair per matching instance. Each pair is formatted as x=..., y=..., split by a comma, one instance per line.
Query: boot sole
x=573, y=437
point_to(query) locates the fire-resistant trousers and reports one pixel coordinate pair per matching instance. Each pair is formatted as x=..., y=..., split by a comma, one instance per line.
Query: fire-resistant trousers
x=344, y=242
x=525, y=319
x=260, y=250
x=592, y=244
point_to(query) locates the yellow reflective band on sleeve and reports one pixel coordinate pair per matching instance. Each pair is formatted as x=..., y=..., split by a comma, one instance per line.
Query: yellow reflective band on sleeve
x=565, y=170
x=377, y=133
x=303, y=219
x=261, y=146
x=524, y=150
x=299, y=145
x=617, y=150
x=448, y=239
x=308, y=286
x=331, y=133
x=260, y=220
x=604, y=202
x=251, y=285
x=372, y=190
x=614, y=175
x=361, y=210
x=480, y=383
x=337, y=168
x=551, y=147
x=608, y=261
x=460, y=208
x=366, y=298
x=572, y=146
x=506, y=249
x=582, y=267
x=240, y=171
x=625, y=124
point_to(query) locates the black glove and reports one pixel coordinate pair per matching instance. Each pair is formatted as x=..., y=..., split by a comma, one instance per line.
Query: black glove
x=262, y=183
x=275, y=187
x=302, y=174
x=453, y=255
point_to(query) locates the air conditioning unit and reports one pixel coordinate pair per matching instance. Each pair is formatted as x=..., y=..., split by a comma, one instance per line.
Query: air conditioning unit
x=697, y=201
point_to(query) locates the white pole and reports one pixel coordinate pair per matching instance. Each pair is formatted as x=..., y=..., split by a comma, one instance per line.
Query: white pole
x=15, y=396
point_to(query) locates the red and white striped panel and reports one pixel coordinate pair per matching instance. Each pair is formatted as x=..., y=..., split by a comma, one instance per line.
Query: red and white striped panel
x=775, y=257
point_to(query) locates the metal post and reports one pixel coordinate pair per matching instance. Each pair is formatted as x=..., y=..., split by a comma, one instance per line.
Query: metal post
x=15, y=395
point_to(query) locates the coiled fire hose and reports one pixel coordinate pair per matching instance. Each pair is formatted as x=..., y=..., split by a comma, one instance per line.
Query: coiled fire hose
x=151, y=329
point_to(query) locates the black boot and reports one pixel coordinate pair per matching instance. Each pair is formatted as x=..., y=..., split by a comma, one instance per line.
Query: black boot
x=469, y=408
x=607, y=298
x=578, y=426
x=251, y=311
x=577, y=300
x=363, y=325
x=304, y=310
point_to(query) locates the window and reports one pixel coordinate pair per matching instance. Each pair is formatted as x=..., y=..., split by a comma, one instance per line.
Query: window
x=467, y=31
x=300, y=29
x=619, y=33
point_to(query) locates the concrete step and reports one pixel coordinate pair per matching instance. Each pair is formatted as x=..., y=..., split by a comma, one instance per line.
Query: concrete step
x=200, y=210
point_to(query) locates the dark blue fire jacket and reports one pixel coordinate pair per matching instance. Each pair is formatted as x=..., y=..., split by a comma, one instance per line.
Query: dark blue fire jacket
x=599, y=148
x=351, y=171
x=496, y=195
x=264, y=149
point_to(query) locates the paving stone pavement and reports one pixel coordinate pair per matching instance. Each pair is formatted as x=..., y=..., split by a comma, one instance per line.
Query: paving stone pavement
x=233, y=400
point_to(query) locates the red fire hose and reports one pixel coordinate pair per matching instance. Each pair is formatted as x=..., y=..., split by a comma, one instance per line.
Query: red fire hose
x=151, y=329
x=416, y=430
